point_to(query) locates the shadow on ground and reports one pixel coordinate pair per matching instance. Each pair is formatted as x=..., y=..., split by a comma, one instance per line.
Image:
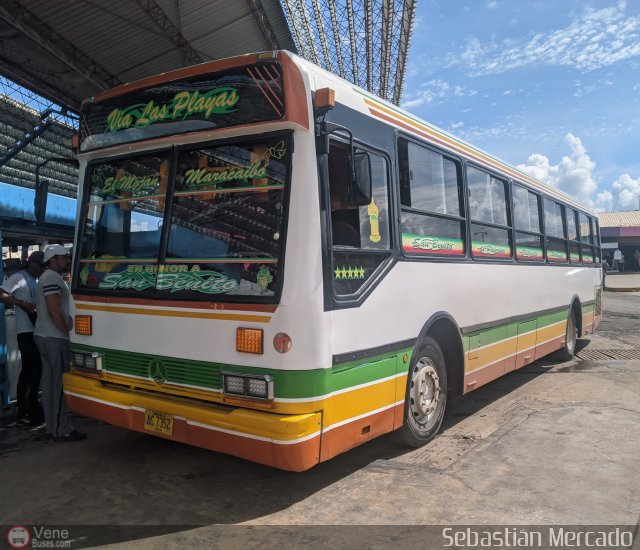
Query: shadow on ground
x=118, y=477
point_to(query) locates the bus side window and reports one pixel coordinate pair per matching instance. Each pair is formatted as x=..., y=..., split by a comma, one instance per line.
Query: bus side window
x=490, y=230
x=432, y=208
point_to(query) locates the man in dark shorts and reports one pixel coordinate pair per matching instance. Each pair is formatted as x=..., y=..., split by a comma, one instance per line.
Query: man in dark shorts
x=52, y=337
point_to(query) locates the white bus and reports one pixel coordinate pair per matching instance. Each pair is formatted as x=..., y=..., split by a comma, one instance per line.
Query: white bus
x=275, y=264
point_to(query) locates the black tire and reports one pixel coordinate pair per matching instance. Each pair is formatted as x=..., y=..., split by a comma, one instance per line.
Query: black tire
x=569, y=349
x=426, y=396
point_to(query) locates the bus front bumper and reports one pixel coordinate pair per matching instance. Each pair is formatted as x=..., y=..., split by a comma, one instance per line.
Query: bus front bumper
x=288, y=442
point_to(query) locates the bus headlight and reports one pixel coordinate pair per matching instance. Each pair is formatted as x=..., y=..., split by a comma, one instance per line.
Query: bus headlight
x=87, y=360
x=254, y=386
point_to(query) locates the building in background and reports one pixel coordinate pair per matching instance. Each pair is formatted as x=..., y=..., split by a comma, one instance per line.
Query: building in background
x=621, y=230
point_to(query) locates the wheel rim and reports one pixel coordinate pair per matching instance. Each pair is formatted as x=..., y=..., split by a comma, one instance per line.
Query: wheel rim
x=571, y=334
x=425, y=392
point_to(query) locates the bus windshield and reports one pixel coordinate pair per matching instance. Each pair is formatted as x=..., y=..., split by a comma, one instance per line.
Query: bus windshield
x=190, y=223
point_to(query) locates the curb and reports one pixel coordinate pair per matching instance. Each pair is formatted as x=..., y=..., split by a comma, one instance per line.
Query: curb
x=631, y=289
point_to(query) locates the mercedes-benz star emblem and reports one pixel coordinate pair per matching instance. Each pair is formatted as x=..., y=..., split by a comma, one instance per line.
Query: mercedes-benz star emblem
x=157, y=371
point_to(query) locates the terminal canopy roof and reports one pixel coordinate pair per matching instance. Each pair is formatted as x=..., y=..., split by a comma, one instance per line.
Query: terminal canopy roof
x=68, y=50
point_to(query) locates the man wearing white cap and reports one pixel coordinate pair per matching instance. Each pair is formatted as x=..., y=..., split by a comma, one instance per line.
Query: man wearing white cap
x=52, y=337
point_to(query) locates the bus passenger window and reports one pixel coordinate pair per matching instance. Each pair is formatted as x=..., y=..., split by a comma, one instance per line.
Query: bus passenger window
x=432, y=208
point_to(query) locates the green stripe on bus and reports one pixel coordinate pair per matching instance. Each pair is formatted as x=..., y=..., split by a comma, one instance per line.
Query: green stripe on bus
x=486, y=337
x=303, y=384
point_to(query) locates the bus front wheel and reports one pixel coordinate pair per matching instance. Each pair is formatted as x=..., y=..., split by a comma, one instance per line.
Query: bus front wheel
x=426, y=396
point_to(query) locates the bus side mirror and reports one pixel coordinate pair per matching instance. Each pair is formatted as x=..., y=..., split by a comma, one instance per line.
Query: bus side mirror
x=359, y=191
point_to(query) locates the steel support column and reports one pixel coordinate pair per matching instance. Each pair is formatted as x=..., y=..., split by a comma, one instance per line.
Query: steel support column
x=263, y=23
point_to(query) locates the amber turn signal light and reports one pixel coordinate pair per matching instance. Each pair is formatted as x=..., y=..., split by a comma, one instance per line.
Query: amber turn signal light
x=324, y=101
x=83, y=325
x=249, y=340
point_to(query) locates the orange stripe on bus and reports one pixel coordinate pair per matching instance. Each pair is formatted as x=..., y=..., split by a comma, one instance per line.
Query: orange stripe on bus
x=261, y=308
x=295, y=457
x=488, y=373
x=175, y=313
x=352, y=434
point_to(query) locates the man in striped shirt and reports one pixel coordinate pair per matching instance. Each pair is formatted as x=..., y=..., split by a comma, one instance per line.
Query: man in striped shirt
x=52, y=338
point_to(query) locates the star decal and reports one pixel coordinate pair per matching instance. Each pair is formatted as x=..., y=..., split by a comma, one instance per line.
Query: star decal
x=345, y=273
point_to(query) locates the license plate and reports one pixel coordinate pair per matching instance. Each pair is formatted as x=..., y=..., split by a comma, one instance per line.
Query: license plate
x=158, y=422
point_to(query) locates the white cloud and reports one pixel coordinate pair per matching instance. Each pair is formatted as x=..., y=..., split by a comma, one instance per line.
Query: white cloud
x=456, y=125
x=582, y=90
x=574, y=174
x=626, y=193
x=435, y=91
x=594, y=39
x=603, y=201
x=510, y=129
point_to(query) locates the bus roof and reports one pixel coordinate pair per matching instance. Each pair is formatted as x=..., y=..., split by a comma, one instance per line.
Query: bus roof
x=359, y=99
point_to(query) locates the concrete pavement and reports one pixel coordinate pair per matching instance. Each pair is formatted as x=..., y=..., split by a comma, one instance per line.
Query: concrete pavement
x=552, y=443
x=622, y=282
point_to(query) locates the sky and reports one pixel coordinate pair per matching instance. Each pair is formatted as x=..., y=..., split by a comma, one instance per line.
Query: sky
x=549, y=86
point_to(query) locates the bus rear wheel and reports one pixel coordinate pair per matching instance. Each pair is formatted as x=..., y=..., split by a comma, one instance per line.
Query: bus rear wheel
x=426, y=397
x=567, y=352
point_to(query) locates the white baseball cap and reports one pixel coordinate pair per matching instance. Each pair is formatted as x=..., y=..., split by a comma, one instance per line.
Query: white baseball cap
x=55, y=250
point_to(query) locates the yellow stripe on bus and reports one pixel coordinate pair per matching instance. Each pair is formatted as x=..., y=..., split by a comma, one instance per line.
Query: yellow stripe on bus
x=347, y=405
x=337, y=407
x=552, y=331
x=175, y=313
x=242, y=422
x=504, y=349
